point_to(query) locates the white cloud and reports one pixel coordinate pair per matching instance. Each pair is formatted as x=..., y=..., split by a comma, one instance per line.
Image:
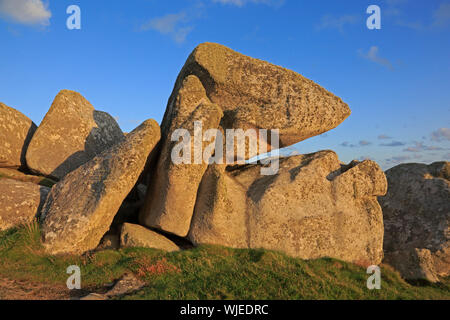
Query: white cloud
x=165, y=24
x=441, y=134
x=176, y=25
x=241, y=3
x=334, y=22
x=26, y=11
x=373, y=56
x=170, y=25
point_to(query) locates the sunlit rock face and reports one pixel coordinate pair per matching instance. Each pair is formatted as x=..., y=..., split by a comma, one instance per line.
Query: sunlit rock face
x=71, y=133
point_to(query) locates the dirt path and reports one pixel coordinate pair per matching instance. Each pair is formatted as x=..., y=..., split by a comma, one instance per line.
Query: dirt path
x=26, y=290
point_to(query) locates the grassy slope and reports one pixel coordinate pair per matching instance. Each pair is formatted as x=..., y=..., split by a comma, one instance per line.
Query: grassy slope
x=208, y=272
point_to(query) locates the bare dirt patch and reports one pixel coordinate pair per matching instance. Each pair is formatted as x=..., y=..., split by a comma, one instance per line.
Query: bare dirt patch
x=26, y=290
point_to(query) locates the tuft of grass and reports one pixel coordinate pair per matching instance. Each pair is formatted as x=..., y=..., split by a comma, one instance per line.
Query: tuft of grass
x=31, y=235
x=206, y=272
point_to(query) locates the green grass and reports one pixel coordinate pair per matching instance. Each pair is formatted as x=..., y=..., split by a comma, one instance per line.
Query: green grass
x=207, y=272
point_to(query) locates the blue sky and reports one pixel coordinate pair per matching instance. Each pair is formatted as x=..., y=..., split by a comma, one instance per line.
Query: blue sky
x=127, y=55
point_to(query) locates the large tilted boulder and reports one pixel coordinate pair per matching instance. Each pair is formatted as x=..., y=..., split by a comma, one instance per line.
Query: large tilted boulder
x=314, y=207
x=257, y=94
x=133, y=235
x=80, y=208
x=71, y=133
x=251, y=94
x=16, y=131
x=171, y=199
x=416, y=213
x=20, y=202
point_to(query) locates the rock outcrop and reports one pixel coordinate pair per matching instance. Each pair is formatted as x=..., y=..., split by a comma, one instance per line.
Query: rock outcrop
x=416, y=213
x=133, y=235
x=170, y=202
x=16, y=131
x=20, y=202
x=248, y=94
x=80, y=208
x=71, y=133
x=314, y=207
x=256, y=94
x=183, y=183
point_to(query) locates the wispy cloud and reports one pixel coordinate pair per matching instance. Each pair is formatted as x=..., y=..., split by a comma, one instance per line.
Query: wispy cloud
x=173, y=25
x=373, y=55
x=30, y=12
x=421, y=147
x=393, y=144
x=400, y=158
x=241, y=3
x=441, y=134
x=415, y=25
x=179, y=25
x=337, y=22
x=395, y=2
x=392, y=7
x=384, y=137
x=347, y=145
x=441, y=17
x=362, y=143
x=397, y=160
